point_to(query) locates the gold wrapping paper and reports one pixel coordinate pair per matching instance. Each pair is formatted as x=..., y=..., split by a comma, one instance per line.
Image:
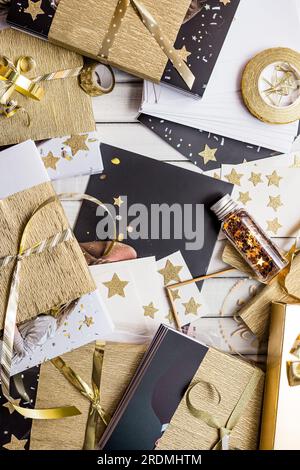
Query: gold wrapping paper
x=281, y=414
x=256, y=312
x=64, y=110
x=230, y=376
x=55, y=390
x=47, y=279
x=82, y=26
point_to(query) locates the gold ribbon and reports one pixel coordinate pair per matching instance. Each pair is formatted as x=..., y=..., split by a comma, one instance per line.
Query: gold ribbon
x=12, y=303
x=224, y=430
x=154, y=29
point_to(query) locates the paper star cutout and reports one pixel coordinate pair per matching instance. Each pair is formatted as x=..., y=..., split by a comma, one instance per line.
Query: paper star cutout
x=170, y=317
x=15, y=443
x=183, y=53
x=275, y=202
x=273, y=225
x=116, y=286
x=34, y=9
x=255, y=178
x=260, y=262
x=118, y=201
x=208, y=154
x=149, y=310
x=234, y=177
x=9, y=405
x=50, y=161
x=170, y=272
x=88, y=321
x=76, y=143
x=175, y=294
x=225, y=2
x=191, y=306
x=274, y=179
x=244, y=198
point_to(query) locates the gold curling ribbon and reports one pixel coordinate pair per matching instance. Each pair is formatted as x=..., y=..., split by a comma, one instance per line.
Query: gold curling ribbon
x=154, y=29
x=226, y=429
x=12, y=304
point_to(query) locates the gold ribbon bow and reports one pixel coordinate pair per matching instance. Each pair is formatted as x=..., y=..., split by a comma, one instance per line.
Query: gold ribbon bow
x=224, y=430
x=154, y=29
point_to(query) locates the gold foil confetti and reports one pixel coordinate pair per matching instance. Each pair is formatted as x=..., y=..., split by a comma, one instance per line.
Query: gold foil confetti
x=121, y=237
x=118, y=201
x=103, y=176
x=116, y=161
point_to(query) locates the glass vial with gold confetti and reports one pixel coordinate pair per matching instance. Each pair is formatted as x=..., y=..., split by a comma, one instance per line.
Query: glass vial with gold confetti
x=249, y=239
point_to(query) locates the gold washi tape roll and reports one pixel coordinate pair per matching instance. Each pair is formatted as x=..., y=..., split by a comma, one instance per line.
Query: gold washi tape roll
x=96, y=79
x=271, y=85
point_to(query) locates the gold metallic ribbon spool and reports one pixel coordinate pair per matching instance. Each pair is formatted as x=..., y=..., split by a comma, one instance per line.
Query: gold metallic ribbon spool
x=250, y=86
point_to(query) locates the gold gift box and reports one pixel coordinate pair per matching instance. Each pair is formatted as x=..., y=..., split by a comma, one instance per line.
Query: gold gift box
x=280, y=428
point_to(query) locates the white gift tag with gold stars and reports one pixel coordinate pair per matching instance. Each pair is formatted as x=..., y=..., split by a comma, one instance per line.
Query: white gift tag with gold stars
x=74, y=155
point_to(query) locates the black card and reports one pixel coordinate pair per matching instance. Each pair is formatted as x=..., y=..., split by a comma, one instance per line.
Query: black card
x=32, y=16
x=192, y=228
x=161, y=388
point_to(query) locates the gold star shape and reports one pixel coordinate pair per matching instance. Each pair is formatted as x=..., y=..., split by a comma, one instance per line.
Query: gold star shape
x=175, y=294
x=260, y=262
x=216, y=176
x=34, y=9
x=9, y=405
x=118, y=201
x=149, y=310
x=255, y=178
x=170, y=272
x=244, y=198
x=76, y=143
x=273, y=225
x=88, y=321
x=234, y=178
x=208, y=154
x=50, y=161
x=15, y=443
x=274, y=179
x=191, y=306
x=275, y=202
x=170, y=317
x=225, y=2
x=115, y=286
x=183, y=53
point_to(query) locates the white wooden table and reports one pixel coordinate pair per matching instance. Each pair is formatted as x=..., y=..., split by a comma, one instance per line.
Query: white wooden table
x=115, y=115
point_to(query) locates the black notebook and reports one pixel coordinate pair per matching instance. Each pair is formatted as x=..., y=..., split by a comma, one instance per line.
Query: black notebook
x=155, y=392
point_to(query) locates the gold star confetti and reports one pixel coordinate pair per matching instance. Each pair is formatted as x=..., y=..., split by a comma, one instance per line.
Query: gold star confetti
x=170, y=272
x=273, y=225
x=175, y=294
x=234, y=178
x=296, y=163
x=118, y=201
x=183, y=53
x=208, y=154
x=225, y=2
x=260, y=262
x=244, y=198
x=34, y=9
x=170, y=317
x=274, y=179
x=121, y=237
x=255, y=178
x=15, y=443
x=9, y=405
x=149, y=310
x=76, y=143
x=216, y=176
x=115, y=286
x=191, y=306
x=275, y=202
x=88, y=321
x=116, y=161
x=50, y=161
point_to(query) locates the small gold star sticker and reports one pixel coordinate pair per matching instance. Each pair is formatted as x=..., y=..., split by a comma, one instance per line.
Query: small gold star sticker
x=116, y=286
x=273, y=225
x=234, y=178
x=118, y=201
x=88, y=321
x=183, y=53
x=225, y=2
x=275, y=202
x=244, y=198
x=260, y=262
x=170, y=317
x=274, y=179
x=170, y=272
x=191, y=306
x=149, y=310
x=76, y=143
x=50, y=161
x=255, y=178
x=9, y=405
x=34, y=9
x=15, y=443
x=175, y=294
x=208, y=154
